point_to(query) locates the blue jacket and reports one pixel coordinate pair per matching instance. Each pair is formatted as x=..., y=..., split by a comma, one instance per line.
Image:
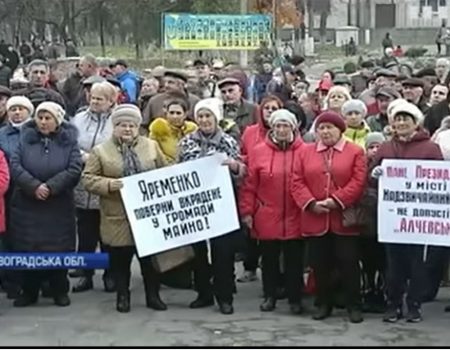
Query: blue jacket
x=49, y=225
x=129, y=82
x=9, y=140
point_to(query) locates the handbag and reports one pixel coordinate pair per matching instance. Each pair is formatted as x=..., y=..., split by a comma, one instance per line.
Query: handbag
x=353, y=215
x=171, y=259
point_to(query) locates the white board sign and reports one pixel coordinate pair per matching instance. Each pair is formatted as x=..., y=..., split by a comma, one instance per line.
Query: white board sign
x=179, y=205
x=414, y=202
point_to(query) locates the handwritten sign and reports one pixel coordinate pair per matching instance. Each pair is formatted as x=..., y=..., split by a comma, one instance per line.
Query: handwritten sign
x=175, y=206
x=414, y=202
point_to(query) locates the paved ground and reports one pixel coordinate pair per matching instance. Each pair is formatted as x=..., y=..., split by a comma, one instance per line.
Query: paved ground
x=91, y=320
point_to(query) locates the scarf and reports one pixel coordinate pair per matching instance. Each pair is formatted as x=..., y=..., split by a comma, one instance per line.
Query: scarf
x=19, y=125
x=283, y=145
x=209, y=142
x=131, y=162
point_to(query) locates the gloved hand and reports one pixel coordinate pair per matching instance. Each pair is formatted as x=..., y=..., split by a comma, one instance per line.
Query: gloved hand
x=377, y=172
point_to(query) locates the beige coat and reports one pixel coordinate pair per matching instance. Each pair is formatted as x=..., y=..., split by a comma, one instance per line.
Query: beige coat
x=105, y=164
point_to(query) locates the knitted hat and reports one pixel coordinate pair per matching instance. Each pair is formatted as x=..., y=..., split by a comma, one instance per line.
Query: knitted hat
x=126, y=113
x=54, y=109
x=410, y=109
x=21, y=101
x=332, y=118
x=283, y=115
x=354, y=106
x=391, y=107
x=213, y=104
x=374, y=137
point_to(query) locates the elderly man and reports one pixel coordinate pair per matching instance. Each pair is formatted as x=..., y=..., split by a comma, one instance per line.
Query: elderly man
x=383, y=98
x=413, y=91
x=442, y=68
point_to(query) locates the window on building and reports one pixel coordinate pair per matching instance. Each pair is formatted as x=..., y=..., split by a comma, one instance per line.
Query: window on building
x=434, y=4
x=443, y=3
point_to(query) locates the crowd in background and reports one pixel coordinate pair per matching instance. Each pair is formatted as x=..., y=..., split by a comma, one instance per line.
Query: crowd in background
x=300, y=156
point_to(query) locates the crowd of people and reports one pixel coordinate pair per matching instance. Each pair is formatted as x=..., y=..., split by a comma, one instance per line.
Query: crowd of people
x=299, y=159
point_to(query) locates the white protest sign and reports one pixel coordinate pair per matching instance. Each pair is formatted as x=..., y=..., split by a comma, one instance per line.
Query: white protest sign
x=179, y=205
x=414, y=202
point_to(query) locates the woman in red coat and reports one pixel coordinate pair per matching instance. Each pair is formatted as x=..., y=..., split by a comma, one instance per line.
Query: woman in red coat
x=254, y=135
x=406, y=261
x=269, y=210
x=4, y=184
x=329, y=177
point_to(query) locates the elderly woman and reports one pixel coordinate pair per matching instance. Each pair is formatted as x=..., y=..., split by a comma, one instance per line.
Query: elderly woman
x=170, y=130
x=45, y=169
x=330, y=177
x=207, y=140
x=94, y=127
x=336, y=98
x=125, y=153
x=269, y=210
x=254, y=135
x=406, y=261
x=19, y=111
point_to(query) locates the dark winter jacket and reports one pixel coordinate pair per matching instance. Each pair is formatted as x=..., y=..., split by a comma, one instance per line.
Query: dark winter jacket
x=72, y=91
x=37, y=95
x=9, y=140
x=5, y=76
x=435, y=116
x=49, y=225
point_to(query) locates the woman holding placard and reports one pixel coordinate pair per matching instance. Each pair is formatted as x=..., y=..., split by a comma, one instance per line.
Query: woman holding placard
x=207, y=140
x=124, y=154
x=406, y=261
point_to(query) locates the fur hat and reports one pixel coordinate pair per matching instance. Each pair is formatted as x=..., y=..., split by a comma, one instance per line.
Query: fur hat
x=54, y=109
x=374, y=137
x=354, y=106
x=285, y=116
x=410, y=109
x=332, y=118
x=126, y=112
x=21, y=101
x=391, y=107
x=213, y=104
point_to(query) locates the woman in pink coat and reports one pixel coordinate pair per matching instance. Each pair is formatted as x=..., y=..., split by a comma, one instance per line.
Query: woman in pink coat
x=268, y=209
x=330, y=176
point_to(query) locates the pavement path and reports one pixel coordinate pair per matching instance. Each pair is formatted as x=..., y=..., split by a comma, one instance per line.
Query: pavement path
x=91, y=320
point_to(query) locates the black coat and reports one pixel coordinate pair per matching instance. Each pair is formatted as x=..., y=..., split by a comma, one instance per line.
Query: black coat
x=435, y=115
x=5, y=76
x=44, y=226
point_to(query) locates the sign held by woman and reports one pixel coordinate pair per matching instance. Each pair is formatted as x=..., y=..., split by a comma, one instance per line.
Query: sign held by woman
x=180, y=205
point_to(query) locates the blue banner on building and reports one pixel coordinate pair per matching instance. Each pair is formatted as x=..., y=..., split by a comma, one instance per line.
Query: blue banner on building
x=183, y=31
x=51, y=261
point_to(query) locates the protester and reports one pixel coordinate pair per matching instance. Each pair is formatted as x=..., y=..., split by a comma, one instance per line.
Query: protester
x=329, y=177
x=206, y=82
x=236, y=108
x=94, y=127
x=439, y=94
x=39, y=72
x=384, y=97
x=372, y=251
x=442, y=69
x=5, y=74
x=406, y=261
x=354, y=113
x=5, y=94
x=169, y=131
x=254, y=135
x=311, y=106
x=436, y=114
x=19, y=111
x=336, y=98
x=45, y=169
x=262, y=79
x=128, y=80
x=265, y=194
x=174, y=82
x=207, y=140
x=124, y=154
x=150, y=88
x=25, y=52
x=413, y=92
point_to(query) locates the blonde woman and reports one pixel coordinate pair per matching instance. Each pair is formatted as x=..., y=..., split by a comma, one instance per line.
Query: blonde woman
x=94, y=127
